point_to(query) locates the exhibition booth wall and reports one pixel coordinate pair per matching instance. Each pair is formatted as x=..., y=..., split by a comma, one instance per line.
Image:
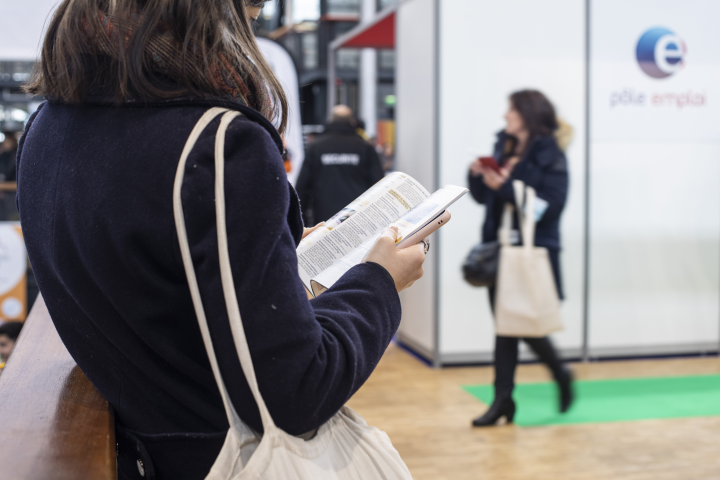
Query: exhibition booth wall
x=638, y=81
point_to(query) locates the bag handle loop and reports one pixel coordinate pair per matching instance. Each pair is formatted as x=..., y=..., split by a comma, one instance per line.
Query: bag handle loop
x=523, y=195
x=231, y=302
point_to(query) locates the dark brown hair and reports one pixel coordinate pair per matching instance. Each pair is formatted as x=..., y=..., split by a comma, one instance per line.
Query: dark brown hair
x=11, y=329
x=220, y=29
x=537, y=112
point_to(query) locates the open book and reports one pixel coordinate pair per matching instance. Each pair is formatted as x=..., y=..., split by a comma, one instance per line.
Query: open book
x=333, y=249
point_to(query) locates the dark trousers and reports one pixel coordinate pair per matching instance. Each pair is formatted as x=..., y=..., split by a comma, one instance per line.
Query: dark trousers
x=506, y=360
x=506, y=348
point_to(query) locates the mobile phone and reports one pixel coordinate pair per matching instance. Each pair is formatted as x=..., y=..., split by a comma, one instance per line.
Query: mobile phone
x=490, y=162
x=441, y=219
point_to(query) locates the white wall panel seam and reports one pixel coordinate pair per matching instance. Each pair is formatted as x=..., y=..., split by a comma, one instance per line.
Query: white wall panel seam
x=436, y=159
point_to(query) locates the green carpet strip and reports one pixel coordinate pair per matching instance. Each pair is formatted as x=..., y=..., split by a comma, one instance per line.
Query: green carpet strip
x=600, y=401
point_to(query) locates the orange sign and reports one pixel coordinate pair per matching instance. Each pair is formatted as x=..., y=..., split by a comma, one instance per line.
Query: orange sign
x=13, y=273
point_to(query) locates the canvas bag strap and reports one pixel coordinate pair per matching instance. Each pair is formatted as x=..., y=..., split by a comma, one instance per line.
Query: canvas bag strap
x=529, y=215
x=231, y=303
x=506, y=225
x=525, y=195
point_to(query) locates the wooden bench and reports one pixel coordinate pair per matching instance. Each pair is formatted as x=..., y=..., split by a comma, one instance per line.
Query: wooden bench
x=53, y=423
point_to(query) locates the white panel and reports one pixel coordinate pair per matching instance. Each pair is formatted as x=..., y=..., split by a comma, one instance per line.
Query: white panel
x=284, y=68
x=488, y=50
x=22, y=27
x=630, y=105
x=655, y=251
x=415, y=113
x=368, y=89
x=368, y=74
x=655, y=179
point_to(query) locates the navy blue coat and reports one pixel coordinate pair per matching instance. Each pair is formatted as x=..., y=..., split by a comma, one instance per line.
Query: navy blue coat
x=95, y=201
x=543, y=167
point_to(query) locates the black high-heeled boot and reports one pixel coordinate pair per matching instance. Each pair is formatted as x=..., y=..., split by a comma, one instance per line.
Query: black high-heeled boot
x=502, y=406
x=565, y=387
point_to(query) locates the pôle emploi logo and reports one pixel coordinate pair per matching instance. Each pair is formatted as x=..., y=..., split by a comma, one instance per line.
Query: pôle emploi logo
x=660, y=53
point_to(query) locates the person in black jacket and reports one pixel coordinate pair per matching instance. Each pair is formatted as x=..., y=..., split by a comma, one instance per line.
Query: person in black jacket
x=96, y=168
x=8, y=150
x=526, y=150
x=339, y=166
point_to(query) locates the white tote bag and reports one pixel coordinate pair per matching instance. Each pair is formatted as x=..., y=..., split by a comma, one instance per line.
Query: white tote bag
x=526, y=298
x=344, y=448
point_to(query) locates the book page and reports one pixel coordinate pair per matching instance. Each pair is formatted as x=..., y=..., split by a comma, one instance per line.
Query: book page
x=408, y=224
x=329, y=276
x=383, y=203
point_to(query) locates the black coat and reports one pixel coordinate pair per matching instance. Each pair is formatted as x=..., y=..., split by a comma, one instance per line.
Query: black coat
x=8, y=211
x=339, y=166
x=543, y=167
x=7, y=165
x=95, y=201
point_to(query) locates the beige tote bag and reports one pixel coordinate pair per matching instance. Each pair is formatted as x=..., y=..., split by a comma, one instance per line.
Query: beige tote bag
x=344, y=448
x=526, y=298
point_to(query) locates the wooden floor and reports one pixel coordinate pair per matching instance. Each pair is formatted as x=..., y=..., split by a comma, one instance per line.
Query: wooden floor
x=427, y=415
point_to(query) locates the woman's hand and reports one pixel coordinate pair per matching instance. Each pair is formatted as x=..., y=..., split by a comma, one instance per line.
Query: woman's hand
x=308, y=231
x=476, y=168
x=491, y=178
x=495, y=180
x=405, y=266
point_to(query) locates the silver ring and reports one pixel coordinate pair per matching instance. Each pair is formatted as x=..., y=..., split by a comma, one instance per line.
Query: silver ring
x=426, y=243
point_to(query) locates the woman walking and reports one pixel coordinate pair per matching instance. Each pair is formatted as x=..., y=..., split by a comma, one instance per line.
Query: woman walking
x=526, y=150
x=127, y=81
